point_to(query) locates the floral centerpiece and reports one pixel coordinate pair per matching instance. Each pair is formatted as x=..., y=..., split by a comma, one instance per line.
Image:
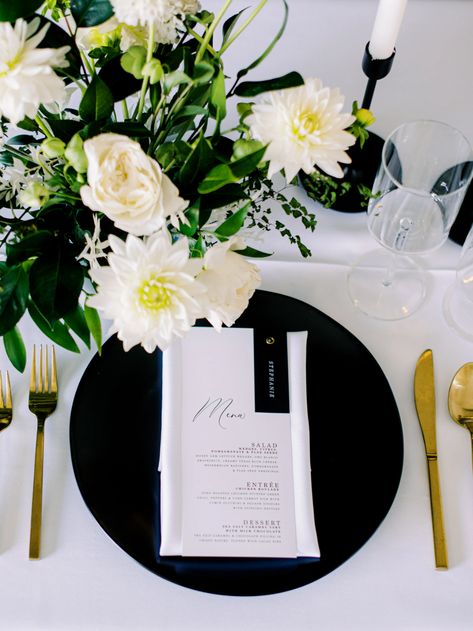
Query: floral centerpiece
x=124, y=195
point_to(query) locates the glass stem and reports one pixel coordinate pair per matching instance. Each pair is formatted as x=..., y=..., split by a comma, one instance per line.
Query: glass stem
x=390, y=271
x=399, y=244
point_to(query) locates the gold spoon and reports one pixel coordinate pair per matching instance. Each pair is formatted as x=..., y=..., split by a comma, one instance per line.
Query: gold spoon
x=460, y=398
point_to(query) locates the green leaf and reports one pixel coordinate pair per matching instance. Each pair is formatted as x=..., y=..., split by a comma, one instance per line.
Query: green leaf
x=170, y=152
x=197, y=162
x=234, y=223
x=31, y=245
x=203, y=73
x=218, y=97
x=229, y=173
x=129, y=128
x=56, y=280
x=13, y=297
x=266, y=52
x=58, y=332
x=253, y=253
x=191, y=111
x=246, y=165
x=253, y=88
x=15, y=348
x=192, y=214
x=120, y=82
x=198, y=249
x=95, y=326
x=218, y=176
x=23, y=139
x=175, y=78
x=244, y=110
x=226, y=195
x=134, y=60
x=28, y=124
x=97, y=102
x=91, y=12
x=10, y=10
x=64, y=129
x=6, y=159
x=76, y=321
x=243, y=148
x=229, y=25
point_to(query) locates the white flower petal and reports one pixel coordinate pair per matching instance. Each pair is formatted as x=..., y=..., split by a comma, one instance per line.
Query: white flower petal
x=27, y=78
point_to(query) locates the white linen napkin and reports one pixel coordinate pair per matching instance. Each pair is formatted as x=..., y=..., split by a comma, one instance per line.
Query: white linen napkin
x=170, y=451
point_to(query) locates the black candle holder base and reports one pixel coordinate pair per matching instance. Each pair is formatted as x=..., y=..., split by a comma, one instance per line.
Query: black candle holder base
x=361, y=171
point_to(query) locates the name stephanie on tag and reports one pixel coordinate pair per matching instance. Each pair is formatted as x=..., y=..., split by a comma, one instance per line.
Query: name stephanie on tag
x=271, y=392
x=221, y=410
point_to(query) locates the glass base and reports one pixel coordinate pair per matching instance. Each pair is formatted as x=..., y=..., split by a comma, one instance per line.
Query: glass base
x=458, y=312
x=386, y=286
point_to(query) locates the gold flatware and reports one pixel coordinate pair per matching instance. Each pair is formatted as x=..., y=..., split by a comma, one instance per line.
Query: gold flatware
x=460, y=398
x=6, y=405
x=424, y=393
x=42, y=402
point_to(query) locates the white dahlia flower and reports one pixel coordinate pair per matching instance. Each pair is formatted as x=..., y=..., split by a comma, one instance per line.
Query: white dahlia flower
x=165, y=15
x=303, y=127
x=230, y=280
x=128, y=186
x=27, y=78
x=148, y=290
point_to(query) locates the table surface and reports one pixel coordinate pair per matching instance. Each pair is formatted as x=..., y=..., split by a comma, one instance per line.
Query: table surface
x=84, y=581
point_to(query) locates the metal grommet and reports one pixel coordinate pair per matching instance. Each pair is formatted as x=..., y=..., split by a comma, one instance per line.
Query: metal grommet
x=270, y=340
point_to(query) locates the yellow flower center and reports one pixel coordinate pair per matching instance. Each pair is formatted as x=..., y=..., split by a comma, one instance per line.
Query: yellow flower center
x=306, y=124
x=10, y=64
x=153, y=294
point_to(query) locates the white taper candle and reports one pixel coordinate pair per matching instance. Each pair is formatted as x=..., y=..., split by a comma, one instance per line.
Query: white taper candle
x=386, y=28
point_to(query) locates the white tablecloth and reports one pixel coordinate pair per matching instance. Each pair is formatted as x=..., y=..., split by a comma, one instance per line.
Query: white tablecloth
x=84, y=581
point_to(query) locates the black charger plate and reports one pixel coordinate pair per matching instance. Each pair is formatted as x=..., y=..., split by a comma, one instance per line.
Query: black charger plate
x=356, y=452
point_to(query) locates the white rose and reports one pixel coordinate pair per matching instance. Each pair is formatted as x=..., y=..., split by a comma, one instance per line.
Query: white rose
x=230, y=280
x=128, y=186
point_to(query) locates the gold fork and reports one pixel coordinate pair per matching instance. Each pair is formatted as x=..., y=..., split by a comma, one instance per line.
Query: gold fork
x=42, y=402
x=6, y=406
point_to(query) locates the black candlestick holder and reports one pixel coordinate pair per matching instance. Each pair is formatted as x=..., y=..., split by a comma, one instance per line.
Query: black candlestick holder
x=374, y=69
x=365, y=160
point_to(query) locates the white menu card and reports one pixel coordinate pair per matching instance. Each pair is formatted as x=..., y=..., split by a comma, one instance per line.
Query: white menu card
x=235, y=457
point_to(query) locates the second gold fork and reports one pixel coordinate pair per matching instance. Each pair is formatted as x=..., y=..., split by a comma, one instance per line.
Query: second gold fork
x=42, y=402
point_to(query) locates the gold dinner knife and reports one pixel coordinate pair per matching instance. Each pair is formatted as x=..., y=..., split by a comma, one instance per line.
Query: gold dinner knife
x=424, y=393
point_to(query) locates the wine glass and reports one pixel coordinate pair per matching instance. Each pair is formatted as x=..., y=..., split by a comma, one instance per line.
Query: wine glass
x=425, y=170
x=458, y=301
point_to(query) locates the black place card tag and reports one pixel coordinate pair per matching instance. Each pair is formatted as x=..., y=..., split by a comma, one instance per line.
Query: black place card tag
x=271, y=371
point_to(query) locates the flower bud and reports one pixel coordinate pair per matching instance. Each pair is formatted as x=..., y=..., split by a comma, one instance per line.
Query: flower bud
x=154, y=70
x=34, y=195
x=365, y=117
x=75, y=154
x=53, y=147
